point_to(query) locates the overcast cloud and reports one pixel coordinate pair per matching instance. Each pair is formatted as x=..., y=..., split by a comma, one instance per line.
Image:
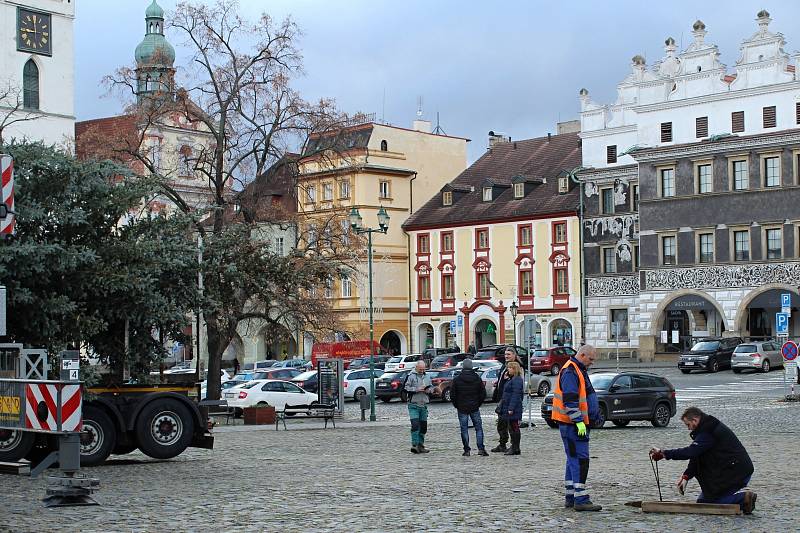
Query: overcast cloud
x=513, y=67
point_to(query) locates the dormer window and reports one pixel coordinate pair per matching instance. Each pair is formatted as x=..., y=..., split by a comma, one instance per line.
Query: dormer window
x=563, y=184
x=487, y=194
x=519, y=190
x=447, y=198
x=384, y=146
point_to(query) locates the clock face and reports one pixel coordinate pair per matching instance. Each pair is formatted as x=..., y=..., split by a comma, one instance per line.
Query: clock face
x=34, y=32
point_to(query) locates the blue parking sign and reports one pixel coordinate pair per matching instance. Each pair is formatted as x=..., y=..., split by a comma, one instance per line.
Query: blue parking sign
x=786, y=299
x=460, y=321
x=781, y=323
x=452, y=326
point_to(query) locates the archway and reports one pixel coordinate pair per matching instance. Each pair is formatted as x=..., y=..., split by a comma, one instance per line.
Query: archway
x=561, y=333
x=756, y=314
x=279, y=343
x=446, y=339
x=683, y=316
x=424, y=337
x=529, y=336
x=393, y=342
x=235, y=350
x=485, y=333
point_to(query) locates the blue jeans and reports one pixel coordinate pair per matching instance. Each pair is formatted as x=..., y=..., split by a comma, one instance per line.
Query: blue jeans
x=463, y=420
x=733, y=496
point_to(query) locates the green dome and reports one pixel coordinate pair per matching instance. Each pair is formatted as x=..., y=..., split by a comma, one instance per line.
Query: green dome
x=155, y=49
x=154, y=11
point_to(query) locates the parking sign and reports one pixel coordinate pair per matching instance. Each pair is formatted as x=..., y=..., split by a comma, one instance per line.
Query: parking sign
x=452, y=326
x=460, y=321
x=786, y=303
x=781, y=323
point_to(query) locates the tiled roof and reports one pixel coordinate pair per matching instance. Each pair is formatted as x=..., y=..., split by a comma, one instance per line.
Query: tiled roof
x=537, y=159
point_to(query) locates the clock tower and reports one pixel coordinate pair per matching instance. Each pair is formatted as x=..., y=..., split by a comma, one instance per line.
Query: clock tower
x=37, y=71
x=155, y=57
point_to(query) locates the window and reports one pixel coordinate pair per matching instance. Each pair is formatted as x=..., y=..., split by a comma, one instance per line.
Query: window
x=705, y=242
x=701, y=127
x=344, y=189
x=668, y=250
x=447, y=242
x=774, y=243
x=519, y=190
x=740, y=177
x=609, y=261
x=447, y=198
x=329, y=288
x=483, y=285
x=737, y=122
x=526, y=282
x=30, y=85
x=347, y=287
x=384, y=146
x=487, y=194
x=797, y=112
x=666, y=132
x=345, y=232
x=311, y=194
x=384, y=189
x=155, y=151
x=607, y=201
x=563, y=185
x=524, y=235
x=611, y=153
x=184, y=161
x=667, y=182
x=772, y=172
x=741, y=245
x=312, y=236
x=482, y=236
x=423, y=244
x=327, y=192
x=560, y=231
x=562, y=285
x=768, y=114
x=618, y=325
x=636, y=257
x=635, y=198
x=278, y=246
x=425, y=288
x=448, y=290
x=704, y=178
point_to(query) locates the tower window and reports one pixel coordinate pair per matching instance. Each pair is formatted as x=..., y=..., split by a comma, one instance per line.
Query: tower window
x=30, y=85
x=384, y=146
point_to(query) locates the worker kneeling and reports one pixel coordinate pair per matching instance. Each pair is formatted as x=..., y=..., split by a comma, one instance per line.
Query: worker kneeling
x=717, y=459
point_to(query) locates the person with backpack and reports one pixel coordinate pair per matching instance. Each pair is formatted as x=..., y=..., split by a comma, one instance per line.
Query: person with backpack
x=467, y=394
x=417, y=386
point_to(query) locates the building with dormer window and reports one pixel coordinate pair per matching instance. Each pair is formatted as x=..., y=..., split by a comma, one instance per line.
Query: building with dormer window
x=504, y=231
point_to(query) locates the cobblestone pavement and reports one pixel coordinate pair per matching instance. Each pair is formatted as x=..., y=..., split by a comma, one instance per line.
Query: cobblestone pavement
x=361, y=477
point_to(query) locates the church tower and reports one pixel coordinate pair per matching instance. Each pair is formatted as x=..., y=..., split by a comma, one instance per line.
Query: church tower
x=155, y=57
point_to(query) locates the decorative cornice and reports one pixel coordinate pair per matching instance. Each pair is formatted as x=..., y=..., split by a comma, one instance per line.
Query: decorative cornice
x=613, y=286
x=609, y=173
x=630, y=128
x=722, y=276
x=728, y=95
x=647, y=155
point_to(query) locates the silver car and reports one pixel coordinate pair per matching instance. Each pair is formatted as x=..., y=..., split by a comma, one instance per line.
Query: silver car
x=760, y=355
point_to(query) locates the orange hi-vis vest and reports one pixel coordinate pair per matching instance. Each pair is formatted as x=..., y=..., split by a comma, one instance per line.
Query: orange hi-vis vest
x=559, y=409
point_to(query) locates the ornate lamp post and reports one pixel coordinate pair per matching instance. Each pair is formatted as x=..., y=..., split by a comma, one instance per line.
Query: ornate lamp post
x=383, y=227
x=514, y=308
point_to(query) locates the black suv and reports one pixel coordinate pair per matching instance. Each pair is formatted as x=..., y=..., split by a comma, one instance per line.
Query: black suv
x=498, y=353
x=709, y=354
x=432, y=353
x=627, y=396
x=390, y=385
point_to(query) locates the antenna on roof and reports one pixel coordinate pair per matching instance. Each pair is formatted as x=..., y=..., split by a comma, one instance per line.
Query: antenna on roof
x=419, y=107
x=383, y=107
x=438, y=130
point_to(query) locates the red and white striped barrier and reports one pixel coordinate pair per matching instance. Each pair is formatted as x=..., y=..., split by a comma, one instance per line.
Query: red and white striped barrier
x=7, y=173
x=41, y=407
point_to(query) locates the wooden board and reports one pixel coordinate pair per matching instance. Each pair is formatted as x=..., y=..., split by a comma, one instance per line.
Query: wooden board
x=19, y=469
x=691, y=508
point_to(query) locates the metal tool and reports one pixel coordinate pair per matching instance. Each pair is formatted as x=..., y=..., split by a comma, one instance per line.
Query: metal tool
x=654, y=467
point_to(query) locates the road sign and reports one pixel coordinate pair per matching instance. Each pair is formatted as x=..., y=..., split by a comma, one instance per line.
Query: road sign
x=782, y=323
x=452, y=326
x=786, y=303
x=789, y=351
x=460, y=321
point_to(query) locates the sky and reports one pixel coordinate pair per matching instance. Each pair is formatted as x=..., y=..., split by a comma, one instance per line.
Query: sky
x=513, y=67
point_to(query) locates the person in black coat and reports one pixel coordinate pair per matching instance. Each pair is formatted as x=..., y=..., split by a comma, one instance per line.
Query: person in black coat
x=467, y=394
x=502, y=379
x=511, y=405
x=717, y=459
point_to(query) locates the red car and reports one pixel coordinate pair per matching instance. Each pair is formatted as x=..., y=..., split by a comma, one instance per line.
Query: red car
x=550, y=359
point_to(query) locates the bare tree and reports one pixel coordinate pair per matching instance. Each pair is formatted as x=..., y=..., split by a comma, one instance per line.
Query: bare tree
x=12, y=110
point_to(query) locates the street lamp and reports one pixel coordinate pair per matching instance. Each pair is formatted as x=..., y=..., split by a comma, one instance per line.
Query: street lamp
x=383, y=226
x=514, y=308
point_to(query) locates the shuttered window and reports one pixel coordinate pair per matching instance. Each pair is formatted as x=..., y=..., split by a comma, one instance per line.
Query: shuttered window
x=797, y=112
x=611, y=153
x=666, y=132
x=769, y=116
x=701, y=127
x=737, y=122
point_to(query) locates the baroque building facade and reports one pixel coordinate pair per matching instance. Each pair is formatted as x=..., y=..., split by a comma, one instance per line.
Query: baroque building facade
x=708, y=162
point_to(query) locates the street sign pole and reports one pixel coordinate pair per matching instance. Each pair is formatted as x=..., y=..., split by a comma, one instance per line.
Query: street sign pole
x=789, y=351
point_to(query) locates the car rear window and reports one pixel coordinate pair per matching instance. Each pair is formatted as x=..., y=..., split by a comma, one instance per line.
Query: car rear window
x=395, y=359
x=703, y=346
x=485, y=354
x=746, y=348
x=540, y=353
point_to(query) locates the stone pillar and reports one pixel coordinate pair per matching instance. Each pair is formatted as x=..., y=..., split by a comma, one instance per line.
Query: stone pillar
x=501, y=312
x=647, y=348
x=465, y=312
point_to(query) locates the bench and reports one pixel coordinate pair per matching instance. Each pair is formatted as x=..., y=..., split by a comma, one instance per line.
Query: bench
x=315, y=410
x=219, y=409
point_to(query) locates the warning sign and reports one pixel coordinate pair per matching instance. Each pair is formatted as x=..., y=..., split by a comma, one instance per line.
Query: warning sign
x=9, y=405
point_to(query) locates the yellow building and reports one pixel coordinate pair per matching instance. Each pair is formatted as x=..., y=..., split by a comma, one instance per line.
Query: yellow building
x=504, y=231
x=370, y=166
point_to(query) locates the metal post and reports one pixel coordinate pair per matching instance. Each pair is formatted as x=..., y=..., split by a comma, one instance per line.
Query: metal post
x=372, y=417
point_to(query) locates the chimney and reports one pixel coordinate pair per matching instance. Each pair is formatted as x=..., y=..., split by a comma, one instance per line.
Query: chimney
x=497, y=138
x=421, y=125
x=548, y=136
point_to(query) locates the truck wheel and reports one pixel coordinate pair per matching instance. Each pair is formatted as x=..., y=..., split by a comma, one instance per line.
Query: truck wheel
x=15, y=445
x=98, y=436
x=164, y=428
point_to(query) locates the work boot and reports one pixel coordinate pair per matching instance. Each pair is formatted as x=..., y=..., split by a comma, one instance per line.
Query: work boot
x=749, y=503
x=483, y=453
x=414, y=449
x=422, y=449
x=588, y=506
x=466, y=453
x=569, y=503
x=500, y=448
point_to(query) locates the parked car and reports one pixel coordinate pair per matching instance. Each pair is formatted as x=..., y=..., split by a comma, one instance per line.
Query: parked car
x=356, y=382
x=308, y=381
x=498, y=353
x=550, y=359
x=761, y=355
x=442, y=381
x=627, y=396
x=433, y=353
x=299, y=364
x=710, y=354
x=490, y=376
x=390, y=386
x=363, y=362
x=267, y=363
x=268, y=373
x=479, y=365
x=277, y=393
x=403, y=362
x=448, y=360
